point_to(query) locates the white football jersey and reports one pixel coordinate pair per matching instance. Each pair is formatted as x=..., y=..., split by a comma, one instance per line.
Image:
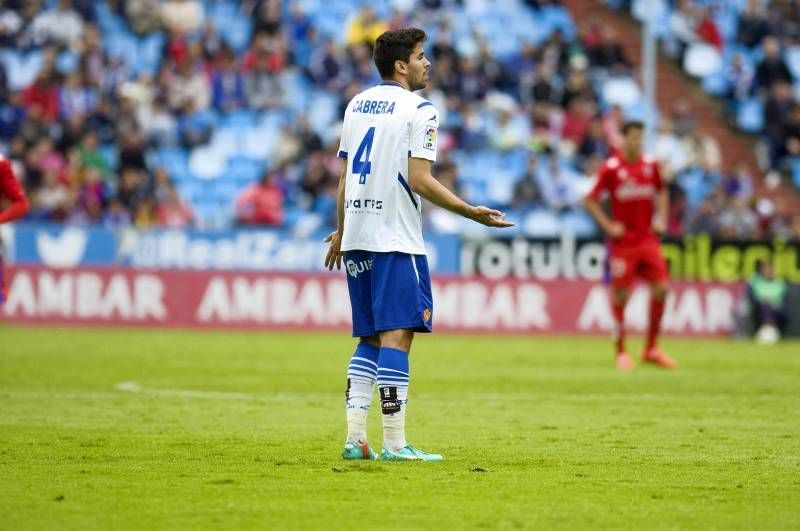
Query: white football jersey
x=383, y=127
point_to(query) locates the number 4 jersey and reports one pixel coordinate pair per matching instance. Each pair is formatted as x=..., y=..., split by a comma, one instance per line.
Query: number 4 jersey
x=384, y=126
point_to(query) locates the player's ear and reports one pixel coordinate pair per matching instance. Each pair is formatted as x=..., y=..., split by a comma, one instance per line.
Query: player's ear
x=401, y=67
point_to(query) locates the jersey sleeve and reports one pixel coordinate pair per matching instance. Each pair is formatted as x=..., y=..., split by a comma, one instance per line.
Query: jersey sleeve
x=11, y=189
x=601, y=182
x=424, y=132
x=344, y=140
x=9, y=185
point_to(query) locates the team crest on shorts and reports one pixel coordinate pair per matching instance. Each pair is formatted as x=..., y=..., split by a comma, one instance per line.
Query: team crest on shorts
x=430, y=138
x=426, y=314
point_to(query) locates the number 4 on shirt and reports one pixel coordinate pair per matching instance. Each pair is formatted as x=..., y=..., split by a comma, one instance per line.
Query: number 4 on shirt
x=362, y=168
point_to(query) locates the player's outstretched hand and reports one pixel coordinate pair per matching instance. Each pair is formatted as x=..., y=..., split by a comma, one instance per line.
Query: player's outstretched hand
x=489, y=217
x=335, y=254
x=659, y=227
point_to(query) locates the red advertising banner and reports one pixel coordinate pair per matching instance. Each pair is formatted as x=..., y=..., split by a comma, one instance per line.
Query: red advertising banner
x=272, y=301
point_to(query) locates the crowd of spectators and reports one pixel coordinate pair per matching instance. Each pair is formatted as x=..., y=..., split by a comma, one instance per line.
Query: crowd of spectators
x=82, y=134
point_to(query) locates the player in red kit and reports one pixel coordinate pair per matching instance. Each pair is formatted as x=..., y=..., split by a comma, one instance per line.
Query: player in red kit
x=639, y=204
x=10, y=193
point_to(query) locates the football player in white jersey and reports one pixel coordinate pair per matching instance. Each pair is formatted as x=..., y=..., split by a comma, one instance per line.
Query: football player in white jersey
x=389, y=144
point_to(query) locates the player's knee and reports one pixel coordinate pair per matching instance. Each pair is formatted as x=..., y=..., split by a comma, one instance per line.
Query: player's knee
x=621, y=295
x=399, y=339
x=659, y=291
x=375, y=340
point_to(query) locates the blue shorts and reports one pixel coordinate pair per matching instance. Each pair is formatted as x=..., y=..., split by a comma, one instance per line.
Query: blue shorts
x=388, y=291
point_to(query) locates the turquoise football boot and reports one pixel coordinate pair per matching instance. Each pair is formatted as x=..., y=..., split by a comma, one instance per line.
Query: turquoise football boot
x=408, y=453
x=355, y=451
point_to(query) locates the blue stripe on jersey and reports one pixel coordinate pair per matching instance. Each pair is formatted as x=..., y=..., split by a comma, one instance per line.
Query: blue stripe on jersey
x=343, y=154
x=408, y=189
x=424, y=104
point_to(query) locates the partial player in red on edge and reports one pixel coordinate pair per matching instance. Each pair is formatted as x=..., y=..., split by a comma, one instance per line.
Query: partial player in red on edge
x=10, y=192
x=639, y=204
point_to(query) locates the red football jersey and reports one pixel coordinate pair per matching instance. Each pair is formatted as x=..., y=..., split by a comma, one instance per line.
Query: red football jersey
x=632, y=187
x=11, y=190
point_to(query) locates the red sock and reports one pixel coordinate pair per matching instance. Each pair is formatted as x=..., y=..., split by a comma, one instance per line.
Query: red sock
x=656, y=312
x=618, y=309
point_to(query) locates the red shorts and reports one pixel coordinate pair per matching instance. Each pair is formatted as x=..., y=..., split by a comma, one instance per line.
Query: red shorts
x=643, y=260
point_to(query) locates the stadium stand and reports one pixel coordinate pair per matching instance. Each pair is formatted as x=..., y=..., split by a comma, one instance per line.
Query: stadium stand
x=216, y=113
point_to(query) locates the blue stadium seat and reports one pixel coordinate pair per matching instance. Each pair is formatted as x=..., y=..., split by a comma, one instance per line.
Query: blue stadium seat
x=244, y=171
x=715, y=84
x=795, y=165
x=750, y=115
x=21, y=68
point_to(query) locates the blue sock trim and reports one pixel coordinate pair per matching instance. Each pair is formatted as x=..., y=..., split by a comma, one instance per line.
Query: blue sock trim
x=364, y=363
x=393, y=367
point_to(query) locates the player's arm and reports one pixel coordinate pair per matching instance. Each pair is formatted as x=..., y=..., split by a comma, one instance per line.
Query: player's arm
x=662, y=204
x=422, y=182
x=592, y=205
x=334, y=255
x=10, y=188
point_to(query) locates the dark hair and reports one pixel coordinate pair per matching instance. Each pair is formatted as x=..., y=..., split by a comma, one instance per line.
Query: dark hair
x=395, y=45
x=631, y=124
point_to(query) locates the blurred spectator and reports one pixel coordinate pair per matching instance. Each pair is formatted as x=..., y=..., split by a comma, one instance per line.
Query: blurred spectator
x=326, y=67
x=767, y=296
x=91, y=157
x=707, y=29
x=131, y=153
x=50, y=201
x=188, y=86
x=174, y=213
x=43, y=93
x=604, y=50
x=752, y=27
x=182, y=17
x=772, y=69
x=61, y=26
x=526, y=192
x=612, y=127
x=594, y=142
x=131, y=191
x=261, y=203
x=739, y=183
x=682, y=23
x=12, y=114
x=739, y=78
x=211, y=42
x=268, y=16
x=737, y=221
x=683, y=120
x=10, y=25
x=776, y=109
x=364, y=27
x=144, y=16
x=77, y=99
x=560, y=186
x=267, y=52
x=704, y=219
x=263, y=88
x=227, y=83
x=157, y=124
x=116, y=215
x=90, y=197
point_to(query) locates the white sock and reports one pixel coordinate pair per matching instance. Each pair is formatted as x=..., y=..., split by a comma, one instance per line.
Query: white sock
x=359, y=398
x=393, y=403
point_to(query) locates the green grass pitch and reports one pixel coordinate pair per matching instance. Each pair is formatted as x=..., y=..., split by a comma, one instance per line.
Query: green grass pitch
x=162, y=430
